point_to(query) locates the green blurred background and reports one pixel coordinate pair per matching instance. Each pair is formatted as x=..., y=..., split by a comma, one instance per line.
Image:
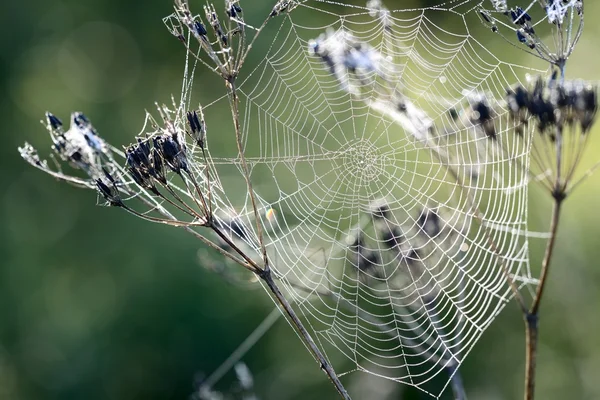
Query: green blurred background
x=95, y=304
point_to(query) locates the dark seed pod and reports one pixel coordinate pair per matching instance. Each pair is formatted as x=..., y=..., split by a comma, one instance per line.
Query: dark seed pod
x=392, y=237
x=172, y=152
x=109, y=190
x=199, y=28
x=53, y=121
x=430, y=222
x=367, y=260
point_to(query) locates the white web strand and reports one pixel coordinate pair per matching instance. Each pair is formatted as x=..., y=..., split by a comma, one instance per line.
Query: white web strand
x=321, y=155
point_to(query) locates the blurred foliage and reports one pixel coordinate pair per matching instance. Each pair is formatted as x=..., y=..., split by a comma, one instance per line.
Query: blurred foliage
x=95, y=304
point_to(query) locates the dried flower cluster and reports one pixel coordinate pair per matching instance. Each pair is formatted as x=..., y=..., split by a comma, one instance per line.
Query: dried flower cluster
x=565, y=17
x=562, y=114
x=350, y=61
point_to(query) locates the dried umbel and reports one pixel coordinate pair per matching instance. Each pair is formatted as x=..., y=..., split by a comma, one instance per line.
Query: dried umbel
x=81, y=148
x=561, y=115
x=222, y=40
x=351, y=62
x=565, y=18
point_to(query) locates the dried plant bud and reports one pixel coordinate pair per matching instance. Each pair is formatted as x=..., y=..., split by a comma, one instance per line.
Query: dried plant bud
x=347, y=58
x=558, y=9
x=107, y=187
x=30, y=154
x=158, y=167
x=232, y=8
x=172, y=152
x=380, y=209
x=197, y=128
x=141, y=165
x=215, y=23
x=482, y=115
x=283, y=6
x=392, y=236
x=199, y=29
x=430, y=222
x=53, y=122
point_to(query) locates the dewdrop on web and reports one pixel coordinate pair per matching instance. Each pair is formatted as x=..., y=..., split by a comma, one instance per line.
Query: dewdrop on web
x=272, y=222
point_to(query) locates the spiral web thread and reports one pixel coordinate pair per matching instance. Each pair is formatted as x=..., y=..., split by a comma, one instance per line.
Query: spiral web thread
x=334, y=167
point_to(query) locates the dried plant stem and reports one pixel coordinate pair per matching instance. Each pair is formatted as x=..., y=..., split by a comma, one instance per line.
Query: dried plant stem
x=265, y=273
x=532, y=317
x=235, y=111
x=267, y=278
x=242, y=349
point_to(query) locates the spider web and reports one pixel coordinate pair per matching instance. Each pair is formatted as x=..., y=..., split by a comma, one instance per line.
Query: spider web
x=396, y=258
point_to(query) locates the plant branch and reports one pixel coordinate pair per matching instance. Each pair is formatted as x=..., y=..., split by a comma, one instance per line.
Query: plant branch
x=246, y=172
x=293, y=318
x=532, y=317
x=265, y=273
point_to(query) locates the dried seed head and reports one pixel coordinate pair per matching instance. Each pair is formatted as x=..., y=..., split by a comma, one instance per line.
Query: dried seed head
x=107, y=187
x=283, y=6
x=140, y=159
x=392, y=236
x=565, y=17
x=197, y=128
x=215, y=23
x=80, y=146
x=482, y=114
x=379, y=11
x=233, y=9
x=367, y=260
x=430, y=222
x=500, y=5
x=53, y=122
x=562, y=114
x=380, y=209
x=348, y=59
x=172, y=152
x=554, y=104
